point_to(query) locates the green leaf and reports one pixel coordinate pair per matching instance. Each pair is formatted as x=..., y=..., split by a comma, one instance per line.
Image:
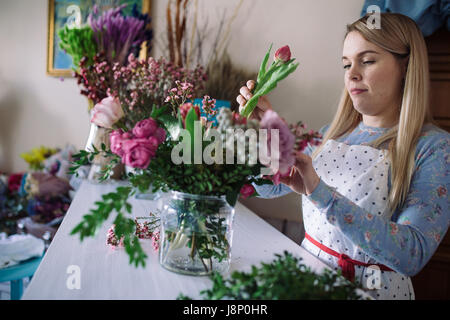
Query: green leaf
x=191, y=117
x=157, y=112
x=171, y=124
x=263, y=67
x=232, y=197
x=269, y=81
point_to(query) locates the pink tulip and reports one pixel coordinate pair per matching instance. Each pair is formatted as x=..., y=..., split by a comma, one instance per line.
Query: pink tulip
x=247, y=190
x=145, y=128
x=283, y=54
x=107, y=112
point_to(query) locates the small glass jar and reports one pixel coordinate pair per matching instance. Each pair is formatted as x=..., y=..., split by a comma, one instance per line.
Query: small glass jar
x=196, y=233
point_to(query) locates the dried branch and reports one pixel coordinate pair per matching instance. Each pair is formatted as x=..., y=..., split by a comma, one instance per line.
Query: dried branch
x=170, y=31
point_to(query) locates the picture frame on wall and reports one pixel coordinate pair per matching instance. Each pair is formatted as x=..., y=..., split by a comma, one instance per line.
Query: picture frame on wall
x=75, y=13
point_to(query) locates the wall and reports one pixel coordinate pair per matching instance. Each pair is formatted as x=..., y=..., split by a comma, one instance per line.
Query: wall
x=37, y=109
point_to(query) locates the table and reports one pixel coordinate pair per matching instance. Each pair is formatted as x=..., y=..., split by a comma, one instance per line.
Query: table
x=105, y=273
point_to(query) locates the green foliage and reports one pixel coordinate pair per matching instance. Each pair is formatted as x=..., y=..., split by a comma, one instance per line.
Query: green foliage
x=285, y=278
x=84, y=158
x=201, y=179
x=124, y=227
x=78, y=42
x=267, y=80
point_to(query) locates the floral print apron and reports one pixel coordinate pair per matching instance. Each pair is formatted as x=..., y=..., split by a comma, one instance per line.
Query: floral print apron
x=359, y=173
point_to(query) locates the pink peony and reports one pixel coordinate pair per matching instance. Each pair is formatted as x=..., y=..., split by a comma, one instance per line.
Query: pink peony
x=145, y=128
x=116, y=139
x=285, y=153
x=139, y=152
x=160, y=135
x=247, y=190
x=283, y=54
x=107, y=112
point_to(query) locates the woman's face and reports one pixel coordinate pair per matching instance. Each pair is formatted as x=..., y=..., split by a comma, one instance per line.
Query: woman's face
x=373, y=79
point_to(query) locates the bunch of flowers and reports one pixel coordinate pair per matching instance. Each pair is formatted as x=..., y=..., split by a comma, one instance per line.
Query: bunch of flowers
x=118, y=35
x=111, y=33
x=139, y=85
x=36, y=157
x=172, y=149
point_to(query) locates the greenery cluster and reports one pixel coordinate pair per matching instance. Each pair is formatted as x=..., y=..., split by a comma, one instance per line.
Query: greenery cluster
x=78, y=43
x=285, y=278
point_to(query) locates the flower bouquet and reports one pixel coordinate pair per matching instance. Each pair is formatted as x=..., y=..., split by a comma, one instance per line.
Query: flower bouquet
x=201, y=167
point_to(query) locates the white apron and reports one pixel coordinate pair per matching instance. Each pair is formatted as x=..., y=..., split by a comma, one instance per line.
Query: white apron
x=360, y=173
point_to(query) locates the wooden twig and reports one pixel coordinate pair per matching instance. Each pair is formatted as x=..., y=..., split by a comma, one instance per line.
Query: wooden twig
x=194, y=27
x=170, y=32
x=227, y=34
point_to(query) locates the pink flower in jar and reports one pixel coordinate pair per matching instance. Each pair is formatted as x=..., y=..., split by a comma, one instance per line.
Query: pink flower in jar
x=107, y=112
x=139, y=152
x=145, y=128
x=283, y=54
x=160, y=135
x=116, y=139
x=247, y=190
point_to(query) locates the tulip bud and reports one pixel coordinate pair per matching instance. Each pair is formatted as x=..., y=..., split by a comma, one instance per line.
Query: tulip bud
x=283, y=54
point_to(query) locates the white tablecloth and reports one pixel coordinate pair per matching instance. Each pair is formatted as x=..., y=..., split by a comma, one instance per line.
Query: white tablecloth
x=105, y=273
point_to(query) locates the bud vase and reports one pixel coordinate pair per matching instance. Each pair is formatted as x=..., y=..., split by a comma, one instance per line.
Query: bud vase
x=196, y=233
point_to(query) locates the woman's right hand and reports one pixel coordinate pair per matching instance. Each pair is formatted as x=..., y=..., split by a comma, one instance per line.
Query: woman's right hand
x=246, y=93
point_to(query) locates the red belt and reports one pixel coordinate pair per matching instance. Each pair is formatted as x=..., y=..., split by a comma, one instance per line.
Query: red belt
x=346, y=264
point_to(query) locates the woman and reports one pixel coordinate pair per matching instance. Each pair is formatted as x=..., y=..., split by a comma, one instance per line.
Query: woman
x=376, y=189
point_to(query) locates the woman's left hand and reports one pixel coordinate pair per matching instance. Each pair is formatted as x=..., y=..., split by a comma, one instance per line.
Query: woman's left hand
x=302, y=174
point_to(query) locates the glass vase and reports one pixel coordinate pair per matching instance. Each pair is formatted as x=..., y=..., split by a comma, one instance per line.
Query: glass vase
x=196, y=233
x=97, y=137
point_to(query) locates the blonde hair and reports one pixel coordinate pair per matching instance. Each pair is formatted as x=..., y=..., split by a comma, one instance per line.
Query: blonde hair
x=400, y=36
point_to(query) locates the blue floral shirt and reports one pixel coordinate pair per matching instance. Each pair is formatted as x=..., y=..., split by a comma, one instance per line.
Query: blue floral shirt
x=408, y=240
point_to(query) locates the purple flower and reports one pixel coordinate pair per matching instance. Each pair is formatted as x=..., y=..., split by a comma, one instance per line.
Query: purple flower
x=285, y=153
x=118, y=35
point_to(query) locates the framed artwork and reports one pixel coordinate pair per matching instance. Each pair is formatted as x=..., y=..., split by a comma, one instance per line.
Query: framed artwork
x=75, y=13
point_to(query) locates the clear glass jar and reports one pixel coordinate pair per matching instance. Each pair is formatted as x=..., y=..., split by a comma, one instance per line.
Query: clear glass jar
x=196, y=233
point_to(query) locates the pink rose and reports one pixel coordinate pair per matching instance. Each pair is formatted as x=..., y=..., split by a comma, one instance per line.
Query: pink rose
x=145, y=128
x=107, y=112
x=116, y=139
x=247, y=190
x=160, y=135
x=139, y=152
x=283, y=54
